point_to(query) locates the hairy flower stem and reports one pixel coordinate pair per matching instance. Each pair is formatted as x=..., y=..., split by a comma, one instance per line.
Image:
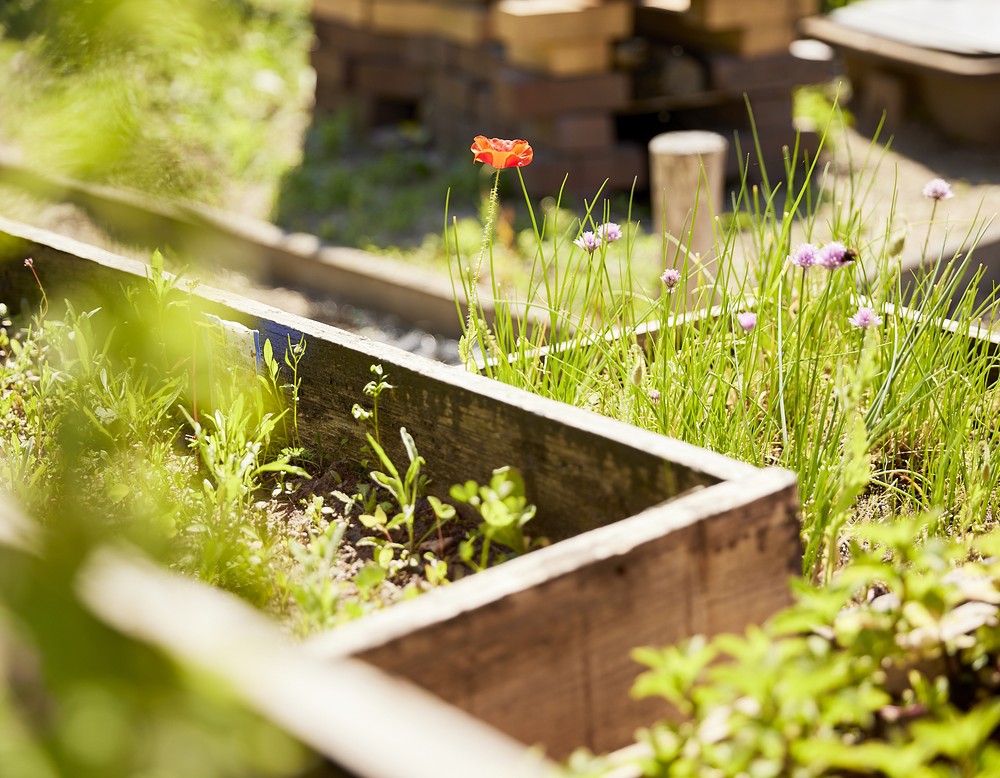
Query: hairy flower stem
x=476, y=329
x=491, y=214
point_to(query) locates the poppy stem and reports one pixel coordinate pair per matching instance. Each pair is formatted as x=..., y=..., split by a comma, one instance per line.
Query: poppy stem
x=491, y=213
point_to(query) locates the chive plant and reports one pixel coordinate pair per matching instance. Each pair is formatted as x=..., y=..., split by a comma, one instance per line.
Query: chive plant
x=804, y=345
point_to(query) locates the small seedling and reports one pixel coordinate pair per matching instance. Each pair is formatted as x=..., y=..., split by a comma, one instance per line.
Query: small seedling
x=504, y=510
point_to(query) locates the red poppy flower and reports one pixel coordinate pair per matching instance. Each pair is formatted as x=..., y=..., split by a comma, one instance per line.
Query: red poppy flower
x=501, y=153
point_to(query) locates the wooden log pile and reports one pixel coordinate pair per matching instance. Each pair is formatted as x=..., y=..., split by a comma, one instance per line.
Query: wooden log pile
x=588, y=82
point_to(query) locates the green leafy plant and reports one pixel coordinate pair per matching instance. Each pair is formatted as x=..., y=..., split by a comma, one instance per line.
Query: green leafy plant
x=373, y=389
x=504, y=510
x=232, y=452
x=405, y=489
x=313, y=585
x=501, y=505
x=282, y=390
x=888, y=670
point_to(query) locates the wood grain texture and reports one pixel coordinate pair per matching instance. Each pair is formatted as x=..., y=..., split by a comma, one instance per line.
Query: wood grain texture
x=539, y=647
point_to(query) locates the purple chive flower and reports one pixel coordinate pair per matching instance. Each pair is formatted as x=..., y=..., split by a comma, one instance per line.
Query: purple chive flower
x=747, y=320
x=609, y=232
x=834, y=255
x=805, y=256
x=654, y=396
x=670, y=278
x=588, y=241
x=865, y=318
x=938, y=189
x=29, y=262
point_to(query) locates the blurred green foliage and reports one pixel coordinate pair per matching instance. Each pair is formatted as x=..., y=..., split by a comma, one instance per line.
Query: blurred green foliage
x=889, y=671
x=188, y=98
x=90, y=452
x=79, y=700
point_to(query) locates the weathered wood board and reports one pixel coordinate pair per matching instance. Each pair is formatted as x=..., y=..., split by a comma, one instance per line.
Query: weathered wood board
x=544, y=640
x=259, y=249
x=653, y=539
x=328, y=706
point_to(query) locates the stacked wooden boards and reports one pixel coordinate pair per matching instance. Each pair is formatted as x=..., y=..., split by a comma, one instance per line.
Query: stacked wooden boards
x=588, y=82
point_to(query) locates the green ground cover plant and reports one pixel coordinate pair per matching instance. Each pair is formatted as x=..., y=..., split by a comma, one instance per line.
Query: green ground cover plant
x=122, y=426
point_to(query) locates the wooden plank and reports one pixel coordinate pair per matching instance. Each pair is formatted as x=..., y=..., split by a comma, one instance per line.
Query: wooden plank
x=735, y=75
x=619, y=165
x=961, y=27
x=466, y=24
x=383, y=79
x=885, y=49
x=340, y=709
x=572, y=131
x=453, y=93
x=403, y=17
x=259, y=249
x=718, y=15
x=330, y=66
x=575, y=610
x=525, y=95
x=480, y=62
x=354, y=12
x=750, y=40
x=355, y=42
x=655, y=539
x=568, y=58
x=548, y=21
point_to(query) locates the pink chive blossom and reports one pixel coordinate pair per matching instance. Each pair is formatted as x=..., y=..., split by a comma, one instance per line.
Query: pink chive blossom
x=938, y=189
x=747, y=320
x=609, y=232
x=834, y=255
x=670, y=278
x=805, y=256
x=654, y=396
x=865, y=318
x=588, y=241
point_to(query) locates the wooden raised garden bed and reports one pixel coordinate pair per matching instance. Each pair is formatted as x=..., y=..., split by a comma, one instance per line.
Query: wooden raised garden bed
x=653, y=540
x=259, y=249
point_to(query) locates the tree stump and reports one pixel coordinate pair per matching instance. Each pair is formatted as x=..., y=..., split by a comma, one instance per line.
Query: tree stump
x=687, y=177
